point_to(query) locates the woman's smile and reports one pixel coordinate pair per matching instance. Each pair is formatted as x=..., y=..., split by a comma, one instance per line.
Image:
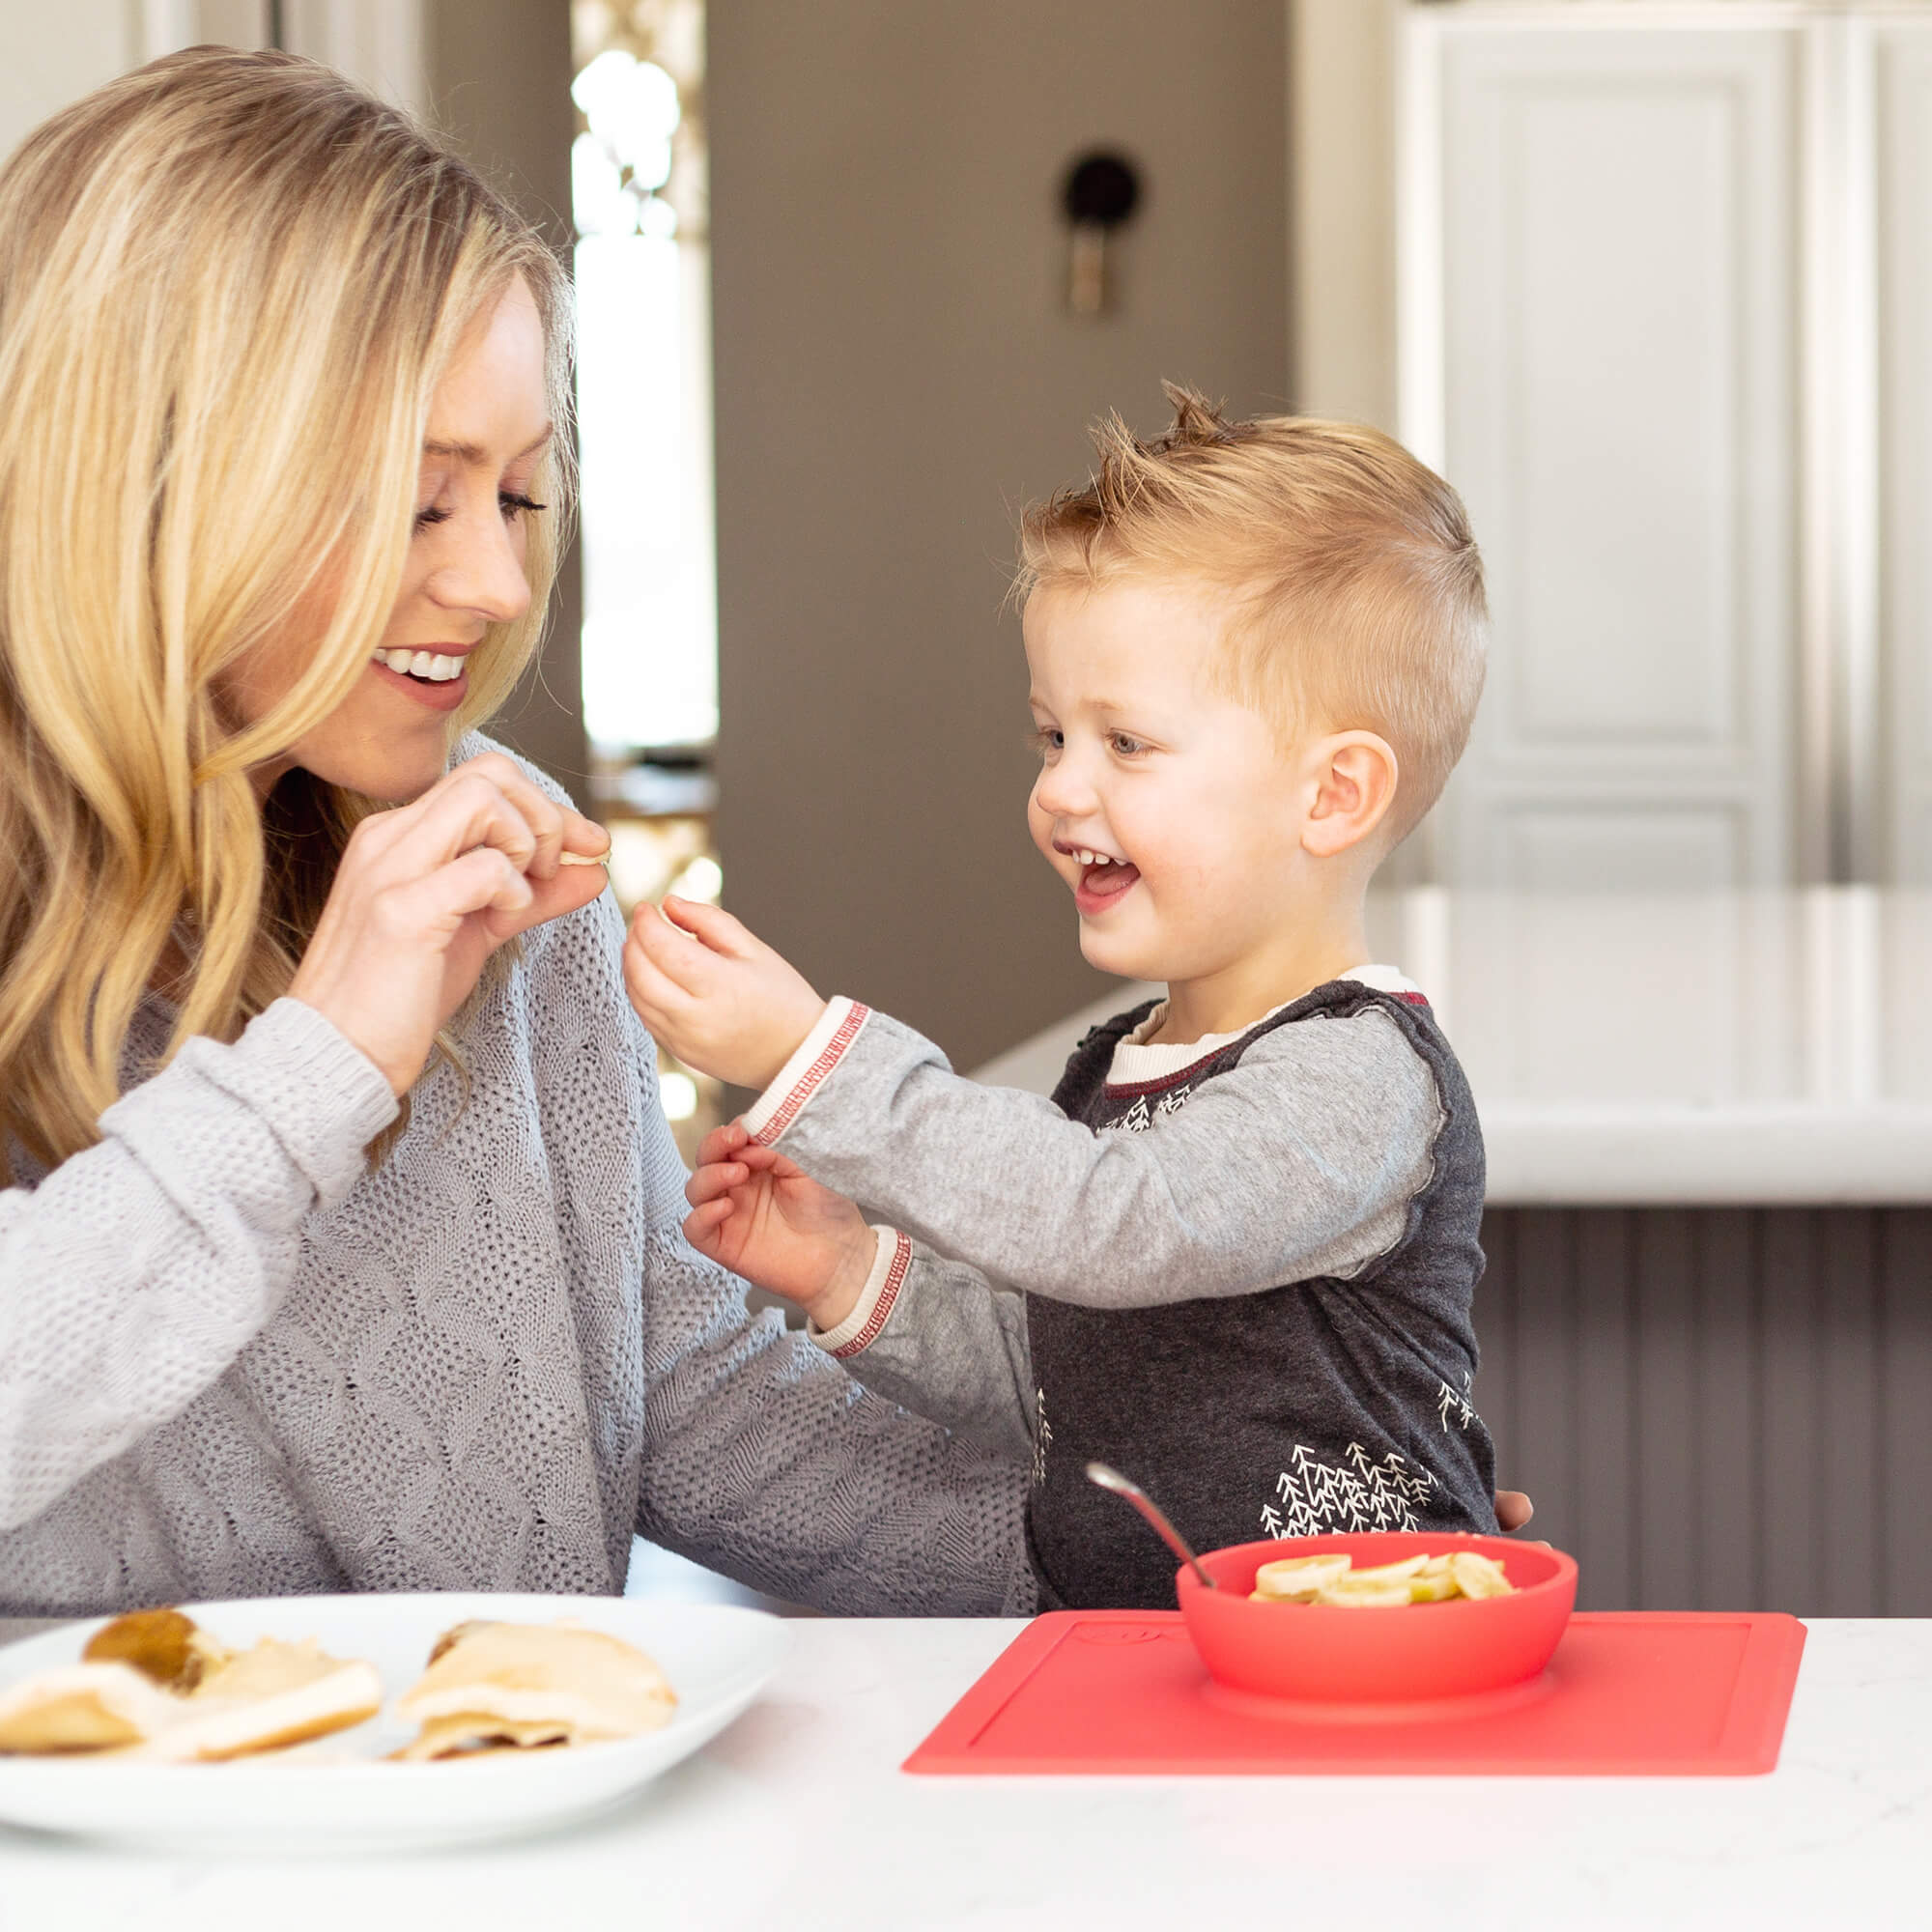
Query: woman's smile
x=436, y=679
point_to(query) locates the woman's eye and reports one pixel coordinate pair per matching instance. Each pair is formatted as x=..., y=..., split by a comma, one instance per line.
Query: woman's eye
x=514, y=504
x=425, y=518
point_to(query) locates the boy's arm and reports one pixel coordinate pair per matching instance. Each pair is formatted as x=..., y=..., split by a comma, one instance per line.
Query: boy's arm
x=1305, y=1160
x=1302, y=1160
x=938, y=1338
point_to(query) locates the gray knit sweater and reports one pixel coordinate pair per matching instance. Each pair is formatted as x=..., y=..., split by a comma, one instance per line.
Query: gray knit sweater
x=233, y=1362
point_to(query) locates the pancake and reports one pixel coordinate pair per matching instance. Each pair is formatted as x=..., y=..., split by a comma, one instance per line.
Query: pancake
x=266, y=1699
x=521, y=1687
x=83, y=1707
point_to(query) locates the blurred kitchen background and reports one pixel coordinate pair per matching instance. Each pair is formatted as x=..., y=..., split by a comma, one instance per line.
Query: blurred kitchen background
x=1650, y=280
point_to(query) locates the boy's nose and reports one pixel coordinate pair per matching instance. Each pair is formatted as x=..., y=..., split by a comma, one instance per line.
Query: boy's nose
x=1062, y=792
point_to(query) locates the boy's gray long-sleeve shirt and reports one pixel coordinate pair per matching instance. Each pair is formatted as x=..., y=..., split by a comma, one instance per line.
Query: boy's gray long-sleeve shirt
x=233, y=1362
x=998, y=1193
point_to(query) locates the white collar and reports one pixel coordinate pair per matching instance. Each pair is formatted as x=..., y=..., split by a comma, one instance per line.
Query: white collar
x=1136, y=1063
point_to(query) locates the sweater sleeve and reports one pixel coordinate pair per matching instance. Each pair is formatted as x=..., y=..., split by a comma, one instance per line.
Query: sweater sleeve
x=939, y=1337
x=758, y=1455
x=135, y=1272
x=764, y=1460
x=1302, y=1160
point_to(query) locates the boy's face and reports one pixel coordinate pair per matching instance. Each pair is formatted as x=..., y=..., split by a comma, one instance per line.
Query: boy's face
x=1168, y=809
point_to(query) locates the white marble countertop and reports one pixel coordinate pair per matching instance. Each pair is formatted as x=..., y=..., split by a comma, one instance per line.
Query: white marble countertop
x=799, y=1817
x=1734, y=1049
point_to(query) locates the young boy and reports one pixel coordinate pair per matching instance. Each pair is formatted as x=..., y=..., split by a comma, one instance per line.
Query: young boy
x=1243, y=1231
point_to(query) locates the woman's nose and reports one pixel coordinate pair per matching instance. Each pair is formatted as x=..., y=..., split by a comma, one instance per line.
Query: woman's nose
x=485, y=574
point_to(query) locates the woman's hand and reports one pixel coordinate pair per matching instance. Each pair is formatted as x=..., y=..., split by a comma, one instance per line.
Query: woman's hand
x=715, y=996
x=763, y=1217
x=426, y=893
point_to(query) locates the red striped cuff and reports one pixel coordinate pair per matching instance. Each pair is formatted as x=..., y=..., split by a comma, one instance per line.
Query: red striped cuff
x=805, y=1072
x=873, y=1308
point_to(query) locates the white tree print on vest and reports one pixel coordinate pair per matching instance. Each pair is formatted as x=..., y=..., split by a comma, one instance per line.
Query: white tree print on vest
x=1042, y=1437
x=1317, y=1496
x=1448, y=1403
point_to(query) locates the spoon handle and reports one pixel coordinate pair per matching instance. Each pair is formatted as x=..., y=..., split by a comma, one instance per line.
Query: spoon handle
x=1110, y=1478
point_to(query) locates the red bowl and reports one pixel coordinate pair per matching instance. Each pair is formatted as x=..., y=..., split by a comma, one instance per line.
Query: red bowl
x=1316, y=1653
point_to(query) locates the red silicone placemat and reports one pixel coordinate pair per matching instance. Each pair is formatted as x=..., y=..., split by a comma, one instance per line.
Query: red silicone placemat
x=1627, y=1692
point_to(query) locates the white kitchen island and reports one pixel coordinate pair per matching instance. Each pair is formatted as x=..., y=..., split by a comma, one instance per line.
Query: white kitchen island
x=798, y=1817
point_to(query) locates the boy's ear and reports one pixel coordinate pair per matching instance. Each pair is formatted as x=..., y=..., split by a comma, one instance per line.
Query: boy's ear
x=1355, y=777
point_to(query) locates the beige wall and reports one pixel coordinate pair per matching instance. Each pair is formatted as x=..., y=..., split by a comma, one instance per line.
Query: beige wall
x=52, y=54
x=496, y=74
x=1342, y=147
x=895, y=374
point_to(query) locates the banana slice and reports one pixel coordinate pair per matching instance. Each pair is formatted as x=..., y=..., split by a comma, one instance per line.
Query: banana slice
x=1297, y=1578
x=1479, y=1575
x=1355, y=1593
x=1390, y=1572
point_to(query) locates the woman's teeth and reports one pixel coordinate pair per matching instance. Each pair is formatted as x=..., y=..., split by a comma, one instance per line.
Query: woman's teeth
x=431, y=665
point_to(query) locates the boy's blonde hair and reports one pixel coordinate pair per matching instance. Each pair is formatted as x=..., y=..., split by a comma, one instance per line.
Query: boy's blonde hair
x=230, y=284
x=1355, y=585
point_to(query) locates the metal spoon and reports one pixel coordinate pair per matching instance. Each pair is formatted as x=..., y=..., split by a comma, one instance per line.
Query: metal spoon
x=1109, y=1478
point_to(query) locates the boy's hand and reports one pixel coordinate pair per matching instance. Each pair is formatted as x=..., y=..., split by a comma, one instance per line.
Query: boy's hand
x=758, y=1214
x=1514, y=1510
x=713, y=995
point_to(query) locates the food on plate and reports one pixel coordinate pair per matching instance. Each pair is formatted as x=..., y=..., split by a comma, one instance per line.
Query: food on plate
x=84, y=1707
x=154, y=1685
x=1332, y=1579
x=268, y=1698
x=494, y=1686
x=164, y=1646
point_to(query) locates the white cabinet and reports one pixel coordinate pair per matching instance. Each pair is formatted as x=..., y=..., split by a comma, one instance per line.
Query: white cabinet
x=1899, y=754
x=1667, y=322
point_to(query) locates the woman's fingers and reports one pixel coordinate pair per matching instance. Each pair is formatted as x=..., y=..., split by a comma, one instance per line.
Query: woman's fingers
x=482, y=880
x=569, y=889
x=486, y=801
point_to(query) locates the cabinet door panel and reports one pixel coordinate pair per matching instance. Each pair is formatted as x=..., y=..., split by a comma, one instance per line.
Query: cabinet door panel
x=1904, y=224
x=1620, y=276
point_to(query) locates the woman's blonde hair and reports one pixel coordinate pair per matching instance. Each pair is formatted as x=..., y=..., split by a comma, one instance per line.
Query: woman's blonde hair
x=230, y=283
x=1352, y=580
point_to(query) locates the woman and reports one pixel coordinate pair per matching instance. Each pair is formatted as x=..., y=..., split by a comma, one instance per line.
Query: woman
x=339, y=1245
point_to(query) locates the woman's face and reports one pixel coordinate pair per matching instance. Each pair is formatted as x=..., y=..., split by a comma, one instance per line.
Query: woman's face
x=488, y=426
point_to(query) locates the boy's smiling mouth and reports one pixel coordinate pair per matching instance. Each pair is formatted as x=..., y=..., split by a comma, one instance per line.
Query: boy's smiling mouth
x=1102, y=879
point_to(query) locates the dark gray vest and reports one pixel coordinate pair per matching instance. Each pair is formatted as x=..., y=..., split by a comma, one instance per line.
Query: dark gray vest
x=1324, y=1405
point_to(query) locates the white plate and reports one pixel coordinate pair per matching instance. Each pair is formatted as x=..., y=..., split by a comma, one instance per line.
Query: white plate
x=337, y=1791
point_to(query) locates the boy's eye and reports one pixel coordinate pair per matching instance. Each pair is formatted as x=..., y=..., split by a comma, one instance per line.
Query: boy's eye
x=1126, y=746
x=1044, y=739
